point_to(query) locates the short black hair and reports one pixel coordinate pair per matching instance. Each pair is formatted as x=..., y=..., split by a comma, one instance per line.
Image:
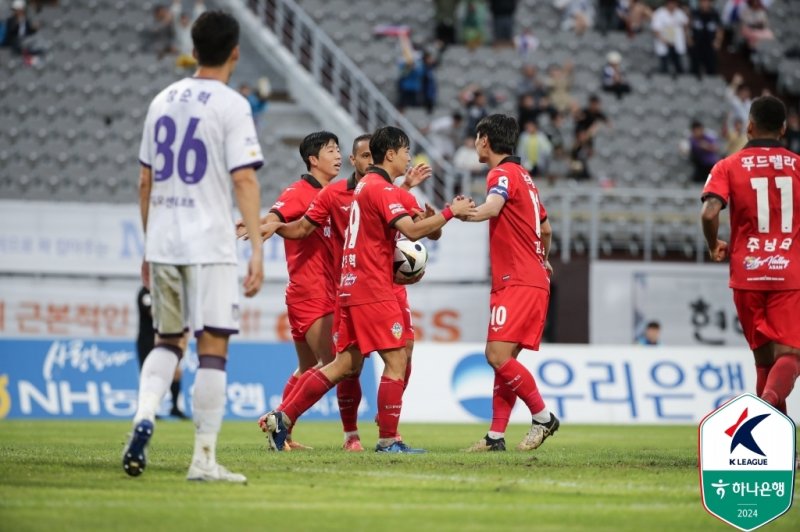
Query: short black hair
x=365, y=136
x=768, y=114
x=312, y=144
x=695, y=124
x=385, y=139
x=501, y=131
x=653, y=325
x=214, y=34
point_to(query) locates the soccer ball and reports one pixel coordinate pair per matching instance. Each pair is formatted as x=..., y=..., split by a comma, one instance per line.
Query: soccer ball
x=410, y=259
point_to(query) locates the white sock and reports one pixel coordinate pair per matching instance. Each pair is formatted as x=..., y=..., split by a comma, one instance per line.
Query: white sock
x=348, y=435
x=208, y=406
x=496, y=435
x=154, y=382
x=543, y=416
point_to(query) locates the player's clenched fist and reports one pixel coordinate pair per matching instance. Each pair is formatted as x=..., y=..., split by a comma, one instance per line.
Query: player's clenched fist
x=719, y=252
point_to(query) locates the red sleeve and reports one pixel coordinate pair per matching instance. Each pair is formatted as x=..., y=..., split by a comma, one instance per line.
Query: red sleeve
x=497, y=182
x=390, y=205
x=718, y=184
x=408, y=201
x=289, y=205
x=319, y=210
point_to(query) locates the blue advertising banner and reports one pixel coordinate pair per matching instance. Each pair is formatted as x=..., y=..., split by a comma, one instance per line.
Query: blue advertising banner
x=79, y=378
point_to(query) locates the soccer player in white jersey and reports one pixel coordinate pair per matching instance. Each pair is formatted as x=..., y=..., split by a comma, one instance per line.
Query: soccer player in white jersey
x=198, y=135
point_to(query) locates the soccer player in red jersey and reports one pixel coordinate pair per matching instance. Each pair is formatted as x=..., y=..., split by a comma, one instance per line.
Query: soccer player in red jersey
x=310, y=293
x=519, y=243
x=333, y=204
x=370, y=318
x=761, y=184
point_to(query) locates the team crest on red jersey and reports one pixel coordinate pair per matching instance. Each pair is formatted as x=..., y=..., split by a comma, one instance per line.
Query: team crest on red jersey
x=397, y=330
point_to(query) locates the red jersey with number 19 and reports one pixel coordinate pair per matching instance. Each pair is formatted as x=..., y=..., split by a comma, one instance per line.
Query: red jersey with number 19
x=308, y=260
x=332, y=207
x=369, y=242
x=761, y=183
x=515, y=237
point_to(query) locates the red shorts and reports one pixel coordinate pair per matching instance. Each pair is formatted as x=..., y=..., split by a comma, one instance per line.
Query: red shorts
x=405, y=308
x=370, y=327
x=768, y=316
x=517, y=315
x=303, y=315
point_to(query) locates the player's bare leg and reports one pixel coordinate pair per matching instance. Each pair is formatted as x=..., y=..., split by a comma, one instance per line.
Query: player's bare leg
x=208, y=409
x=502, y=356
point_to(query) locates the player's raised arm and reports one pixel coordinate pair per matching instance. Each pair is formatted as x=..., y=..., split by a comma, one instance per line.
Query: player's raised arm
x=296, y=230
x=461, y=207
x=245, y=185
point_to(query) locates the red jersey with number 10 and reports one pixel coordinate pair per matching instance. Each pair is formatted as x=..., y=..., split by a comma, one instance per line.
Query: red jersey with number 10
x=308, y=260
x=761, y=183
x=515, y=236
x=368, y=251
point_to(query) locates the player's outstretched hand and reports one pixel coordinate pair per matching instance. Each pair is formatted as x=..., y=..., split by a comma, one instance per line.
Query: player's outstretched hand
x=462, y=207
x=255, y=275
x=429, y=211
x=720, y=252
x=417, y=175
x=411, y=280
x=241, y=230
x=267, y=230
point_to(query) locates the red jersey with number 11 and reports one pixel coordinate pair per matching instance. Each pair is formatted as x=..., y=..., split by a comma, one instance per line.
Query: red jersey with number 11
x=515, y=237
x=761, y=184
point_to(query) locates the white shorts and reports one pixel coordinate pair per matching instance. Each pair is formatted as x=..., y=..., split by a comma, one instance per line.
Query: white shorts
x=194, y=297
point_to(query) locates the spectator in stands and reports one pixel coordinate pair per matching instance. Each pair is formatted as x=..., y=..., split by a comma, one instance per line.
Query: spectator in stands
x=159, y=37
x=607, y=19
x=613, y=79
x=579, y=156
x=755, y=23
x=706, y=39
x=445, y=133
x=502, y=22
x=529, y=83
x=526, y=43
x=635, y=15
x=553, y=128
x=19, y=29
x=473, y=23
x=559, y=81
x=735, y=137
x=577, y=15
x=669, y=26
x=428, y=90
x=738, y=96
x=591, y=117
x=412, y=72
x=704, y=151
x=477, y=110
x=651, y=335
x=792, y=136
x=258, y=99
x=182, y=32
x=534, y=149
x=466, y=157
x=445, y=16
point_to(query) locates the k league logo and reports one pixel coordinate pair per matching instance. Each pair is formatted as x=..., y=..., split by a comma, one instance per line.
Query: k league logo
x=747, y=461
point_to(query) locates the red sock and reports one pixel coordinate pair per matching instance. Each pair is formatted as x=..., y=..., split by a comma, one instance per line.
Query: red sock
x=519, y=379
x=761, y=378
x=348, y=393
x=781, y=379
x=390, y=402
x=307, y=394
x=503, y=399
x=297, y=385
x=290, y=384
x=408, y=375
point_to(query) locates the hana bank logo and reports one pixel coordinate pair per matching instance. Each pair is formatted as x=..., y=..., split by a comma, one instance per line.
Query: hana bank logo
x=472, y=383
x=77, y=355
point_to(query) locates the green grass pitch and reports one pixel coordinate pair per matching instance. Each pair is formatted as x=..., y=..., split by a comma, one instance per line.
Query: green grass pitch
x=66, y=475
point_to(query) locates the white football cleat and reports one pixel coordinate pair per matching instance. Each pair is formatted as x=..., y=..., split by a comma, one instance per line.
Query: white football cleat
x=213, y=473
